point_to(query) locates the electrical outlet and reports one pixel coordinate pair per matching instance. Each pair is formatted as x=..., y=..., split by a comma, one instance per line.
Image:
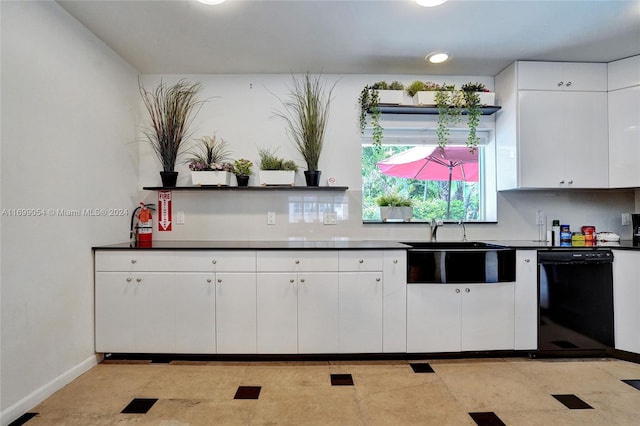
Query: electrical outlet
x=626, y=219
x=330, y=218
x=180, y=218
x=271, y=218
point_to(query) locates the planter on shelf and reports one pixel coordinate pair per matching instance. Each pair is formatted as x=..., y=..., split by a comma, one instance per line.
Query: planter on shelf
x=211, y=178
x=487, y=98
x=396, y=213
x=243, y=180
x=277, y=177
x=425, y=98
x=169, y=179
x=390, y=97
x=312, y=177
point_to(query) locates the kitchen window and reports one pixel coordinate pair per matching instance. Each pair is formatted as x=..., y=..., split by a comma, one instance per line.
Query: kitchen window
x=471, y=195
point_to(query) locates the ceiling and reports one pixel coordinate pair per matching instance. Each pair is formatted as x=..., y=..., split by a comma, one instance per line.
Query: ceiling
x=358, y=37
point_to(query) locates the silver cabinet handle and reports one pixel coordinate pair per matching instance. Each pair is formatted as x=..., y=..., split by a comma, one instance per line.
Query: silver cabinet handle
x=138, y=280
x=570, y=182
x=527, y=260
x=457, y=290
x=561, y=182
x=395, y=260
x=219, y=280
x=214, y=261
x=291, y=280
x=133, y=261
x=568, y=83
x=360, y=261
x=378, y=279
x=128, y=279
x=208, y=280
x=560, y=83
x=301, y=280
x=297, y=262
x=467, y=290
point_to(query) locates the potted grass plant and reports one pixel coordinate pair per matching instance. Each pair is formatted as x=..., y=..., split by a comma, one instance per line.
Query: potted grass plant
x=209, y=163
x=275, y=170
x=423, y=92
x=394, y=206
x=306, y=113
x=171, y=109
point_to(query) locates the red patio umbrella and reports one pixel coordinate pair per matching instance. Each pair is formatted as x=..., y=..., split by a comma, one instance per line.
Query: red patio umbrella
x=427, y=163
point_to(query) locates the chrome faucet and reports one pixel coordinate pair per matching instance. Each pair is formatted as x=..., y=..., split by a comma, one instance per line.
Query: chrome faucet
x=433, y=225
x=464, y=230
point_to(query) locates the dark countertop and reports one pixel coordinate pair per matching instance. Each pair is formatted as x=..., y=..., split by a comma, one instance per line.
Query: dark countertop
x=335, y=245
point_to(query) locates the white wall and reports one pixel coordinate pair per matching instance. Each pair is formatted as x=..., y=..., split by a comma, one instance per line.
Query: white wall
x=68, y=118
x=240, y=110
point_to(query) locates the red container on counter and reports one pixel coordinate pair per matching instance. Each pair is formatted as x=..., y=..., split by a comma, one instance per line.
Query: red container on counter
x=589, y=233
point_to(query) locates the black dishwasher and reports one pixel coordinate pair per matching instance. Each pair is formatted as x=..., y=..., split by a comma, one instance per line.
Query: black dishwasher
x=575, y=296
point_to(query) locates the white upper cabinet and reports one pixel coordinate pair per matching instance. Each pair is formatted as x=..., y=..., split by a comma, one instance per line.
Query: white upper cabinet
x=624, y=123
x=562, y=76
x=549, y=133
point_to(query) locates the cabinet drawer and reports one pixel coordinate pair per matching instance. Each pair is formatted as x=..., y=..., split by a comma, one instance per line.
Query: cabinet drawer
x=130, y=260
x=216, y=261
x=312, y=260
x=368, y=260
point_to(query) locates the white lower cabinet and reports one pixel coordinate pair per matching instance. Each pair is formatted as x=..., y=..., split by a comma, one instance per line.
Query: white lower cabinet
x=195, y=313
x=462, y=317
x=235, y=324
x=626, y=300
x=318, y=313
x=526, y=300
x=360, y=312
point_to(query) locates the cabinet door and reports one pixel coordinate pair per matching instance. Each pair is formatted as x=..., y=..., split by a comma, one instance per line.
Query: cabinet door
x=195, y=306
x=394, y=301
x=433, y=318
x=360, y=305
x=541, y=141
x=624, y=138
x=277, y=313
x=318, y=298
x=236, y=313
x=115, y=312
x=526, y=300
x=540, y=75
x=487, y=316
x=626, y=300
x=584, y=77
x=155, y=321
x=585, y=135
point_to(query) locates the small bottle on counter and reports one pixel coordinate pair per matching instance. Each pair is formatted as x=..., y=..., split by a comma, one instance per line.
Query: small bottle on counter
x=565, y=236
x=577, y=239
x=555, y=232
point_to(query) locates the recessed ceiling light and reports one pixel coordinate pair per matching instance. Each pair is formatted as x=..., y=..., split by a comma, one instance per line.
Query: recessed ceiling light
x=437, y=57
x=211, y=2
x=430, y=3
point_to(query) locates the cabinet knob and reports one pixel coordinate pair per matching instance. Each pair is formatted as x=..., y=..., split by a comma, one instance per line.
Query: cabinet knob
x=561, y=182
x=570, y=182
x=568, y=83
x=138, y=280
x=467, y=290
x=560, y=83
x=291, y=280
x=214, y=261
x=527, y=260
x=219, y=280
x=378, y=279
x=128, y=279
x=133, y=261
x=301, y=280
x=360, y=261
x=297, y=262
x=395, y=260
x=208, y=280
x=457, y=290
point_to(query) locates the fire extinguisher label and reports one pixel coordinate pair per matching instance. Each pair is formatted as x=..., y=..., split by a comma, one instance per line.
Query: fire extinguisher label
x=164, y=210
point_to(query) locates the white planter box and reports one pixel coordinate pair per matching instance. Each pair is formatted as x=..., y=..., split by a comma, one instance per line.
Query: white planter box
x=396, y=213
x=277, y=177
x=425, y=98
x=487, y=98
x=390, y=97
x=209, y=177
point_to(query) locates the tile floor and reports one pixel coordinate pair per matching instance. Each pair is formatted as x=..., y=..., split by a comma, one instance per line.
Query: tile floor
x=509, y=391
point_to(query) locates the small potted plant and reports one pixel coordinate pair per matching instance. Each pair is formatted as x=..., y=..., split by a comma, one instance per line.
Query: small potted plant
x=275, y=170
x=208, y=162
x=242, y=170
x=423, y=92
x=171, y=111
x=394, y=206
x=371, y=97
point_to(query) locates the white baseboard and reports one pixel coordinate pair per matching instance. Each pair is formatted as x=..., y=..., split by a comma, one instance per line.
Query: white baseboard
x=36, y=397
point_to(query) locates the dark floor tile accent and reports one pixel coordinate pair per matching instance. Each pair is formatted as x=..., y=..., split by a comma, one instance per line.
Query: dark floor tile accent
x=248, y=392
x=633, y=383
x=488, y=418
x=564, y=344
x=341, y=380
x=139, y=406
x=423, y=367
x=572, y=402
x=23, y=419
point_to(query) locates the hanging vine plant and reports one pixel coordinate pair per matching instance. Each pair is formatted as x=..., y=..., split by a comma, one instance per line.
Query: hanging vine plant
x=474, y=111
x=449, y=103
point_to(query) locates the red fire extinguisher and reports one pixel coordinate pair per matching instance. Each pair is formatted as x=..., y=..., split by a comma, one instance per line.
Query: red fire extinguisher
x=143, y=229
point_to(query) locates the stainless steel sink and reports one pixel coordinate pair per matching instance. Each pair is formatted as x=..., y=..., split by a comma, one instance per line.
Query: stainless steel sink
x=454, y=262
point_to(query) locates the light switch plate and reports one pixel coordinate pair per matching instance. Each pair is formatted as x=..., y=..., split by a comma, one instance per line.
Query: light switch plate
x=271, y=218
x=180, y=218
x=626, y=219
x=330, y=218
